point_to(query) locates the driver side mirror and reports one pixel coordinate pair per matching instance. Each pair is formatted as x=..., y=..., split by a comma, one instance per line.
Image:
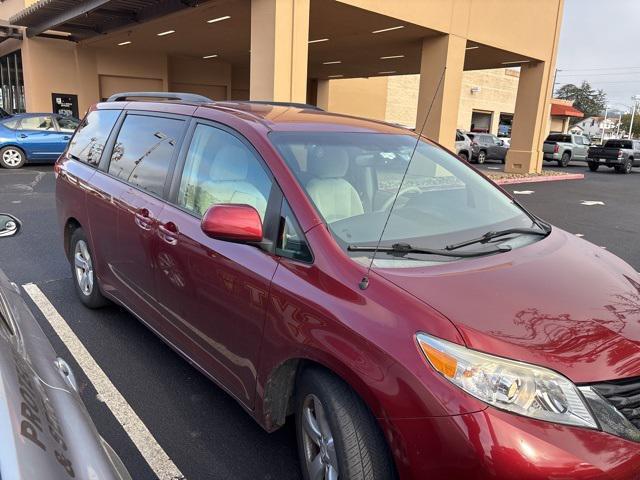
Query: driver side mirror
x=9, y=225
x=233, y=223
x=501, y=143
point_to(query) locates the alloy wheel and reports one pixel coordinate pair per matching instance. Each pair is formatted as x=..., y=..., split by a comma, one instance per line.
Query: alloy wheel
x=11, y=157
x=318, y=441
x=83, y=267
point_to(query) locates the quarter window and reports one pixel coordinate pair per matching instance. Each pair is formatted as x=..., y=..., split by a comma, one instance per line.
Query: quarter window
x=37, y=123
x=221, y=169
x=88, y=142
x=291, y=241
x=144, y=149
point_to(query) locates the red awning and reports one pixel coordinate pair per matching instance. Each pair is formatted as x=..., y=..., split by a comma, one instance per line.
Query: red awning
x=559, y=110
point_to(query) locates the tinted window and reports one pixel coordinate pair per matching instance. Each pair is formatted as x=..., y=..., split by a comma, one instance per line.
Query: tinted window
x=291, y=241
x=67, y=124
x=221, y=169
x=88, y=142
x=144, y=149
x=37, y=123
x=558, y=137
x=618, y=144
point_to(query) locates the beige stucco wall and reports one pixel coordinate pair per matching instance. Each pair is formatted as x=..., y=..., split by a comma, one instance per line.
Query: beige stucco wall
x=363, y=97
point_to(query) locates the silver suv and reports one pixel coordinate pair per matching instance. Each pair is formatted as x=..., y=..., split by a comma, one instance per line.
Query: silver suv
x=463, y=145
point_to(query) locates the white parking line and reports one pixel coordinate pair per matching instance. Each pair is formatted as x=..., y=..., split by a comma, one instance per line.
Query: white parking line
x=139, y=434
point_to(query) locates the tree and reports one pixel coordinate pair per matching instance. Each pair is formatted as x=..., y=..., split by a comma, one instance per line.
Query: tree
x=589, y=101
x=626, y=120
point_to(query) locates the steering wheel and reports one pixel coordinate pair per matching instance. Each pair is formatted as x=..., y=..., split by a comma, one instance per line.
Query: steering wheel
x=404, y=191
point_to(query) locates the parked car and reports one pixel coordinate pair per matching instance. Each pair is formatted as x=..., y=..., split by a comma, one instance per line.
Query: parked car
x=246, y=236
x=564, y=147
x=621, y=154
x=34, y=137
x=45, y=431
x=463, y=145
x=486, y=146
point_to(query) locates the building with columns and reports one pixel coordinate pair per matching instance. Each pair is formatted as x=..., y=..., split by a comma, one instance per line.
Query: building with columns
x=74, y=53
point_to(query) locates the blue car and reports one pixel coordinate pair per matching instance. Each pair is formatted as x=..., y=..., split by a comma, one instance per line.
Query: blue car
x=34, y=137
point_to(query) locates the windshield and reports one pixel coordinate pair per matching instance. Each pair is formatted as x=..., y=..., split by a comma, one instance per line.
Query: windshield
x=352, y=179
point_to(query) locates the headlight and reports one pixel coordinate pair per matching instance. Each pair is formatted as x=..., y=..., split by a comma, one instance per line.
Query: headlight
x=509, y=385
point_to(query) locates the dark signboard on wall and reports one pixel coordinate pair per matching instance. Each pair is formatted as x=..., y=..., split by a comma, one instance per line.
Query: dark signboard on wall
x=65, y=104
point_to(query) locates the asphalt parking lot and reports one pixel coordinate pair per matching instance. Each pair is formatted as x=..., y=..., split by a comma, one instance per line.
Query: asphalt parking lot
x=204, y=432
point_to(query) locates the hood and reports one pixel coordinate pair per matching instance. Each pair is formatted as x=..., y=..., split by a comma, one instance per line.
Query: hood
x=560, y=302
x=45, y=430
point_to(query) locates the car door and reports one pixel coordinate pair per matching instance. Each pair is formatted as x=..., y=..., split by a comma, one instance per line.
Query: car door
x=579, y=149
x=38, y=136
x=213, y=292
x=142, y=157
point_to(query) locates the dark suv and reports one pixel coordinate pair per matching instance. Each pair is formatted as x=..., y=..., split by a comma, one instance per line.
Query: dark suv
x=345, y=272
x=485, y=146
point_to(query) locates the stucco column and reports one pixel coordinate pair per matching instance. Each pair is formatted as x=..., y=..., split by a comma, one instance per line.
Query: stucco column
x=437, y=53
x=279, y=50
x=322, y=96
x=530, y=119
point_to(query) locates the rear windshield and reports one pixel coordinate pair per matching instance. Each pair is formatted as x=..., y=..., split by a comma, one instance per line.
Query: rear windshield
x=558, y=137
x=618, y=144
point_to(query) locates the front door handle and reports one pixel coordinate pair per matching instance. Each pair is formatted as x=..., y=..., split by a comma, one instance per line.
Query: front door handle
x=22, y=135
x=169, y=233
x=143, y=219
x=66, y=137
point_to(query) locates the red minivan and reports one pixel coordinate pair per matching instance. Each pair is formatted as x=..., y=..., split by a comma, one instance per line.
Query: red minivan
x=412, y=317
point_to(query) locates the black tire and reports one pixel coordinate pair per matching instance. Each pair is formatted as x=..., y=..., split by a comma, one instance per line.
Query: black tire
x=593, y=166
x=12, y=157
x=482, y=157
x=564, y=160
x=91, y=297
x=464, y=156
x=626, y=167
x=361, y=452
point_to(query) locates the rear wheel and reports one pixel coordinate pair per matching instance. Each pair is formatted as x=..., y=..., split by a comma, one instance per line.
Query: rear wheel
x=482, y=156
x=12, y=157
x=463, y=156
x=84, y=277
x=625, y=167
x=337, y=435
x=564, y=160
x=593, y=166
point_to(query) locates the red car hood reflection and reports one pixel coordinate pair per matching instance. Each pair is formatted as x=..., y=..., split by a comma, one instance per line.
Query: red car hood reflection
x=561, y=302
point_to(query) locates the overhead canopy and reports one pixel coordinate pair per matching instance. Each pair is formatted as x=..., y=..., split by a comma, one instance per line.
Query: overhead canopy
x=7, y=32
x=88, y=18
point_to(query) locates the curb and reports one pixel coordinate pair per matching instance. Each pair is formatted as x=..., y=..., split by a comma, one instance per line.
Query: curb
x=546, y=178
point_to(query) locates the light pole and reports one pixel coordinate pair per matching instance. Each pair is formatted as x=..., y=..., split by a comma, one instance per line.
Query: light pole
x=604, y=124
x=619, y=122
x=633, y=113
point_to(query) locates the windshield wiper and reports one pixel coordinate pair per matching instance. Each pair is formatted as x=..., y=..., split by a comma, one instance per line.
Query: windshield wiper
x=402, y=249
x=501, y=233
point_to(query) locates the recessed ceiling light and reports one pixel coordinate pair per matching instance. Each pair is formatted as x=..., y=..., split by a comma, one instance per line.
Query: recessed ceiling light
x=168, y=32
x=211, y=56
x=389, y=72
x=319, y=40
x=388, y=29
x=124, y=43
x=333, y=62
x=389, y=57
x=516, y=62
x=335, y=76
x=219, y=19
x=473, y=47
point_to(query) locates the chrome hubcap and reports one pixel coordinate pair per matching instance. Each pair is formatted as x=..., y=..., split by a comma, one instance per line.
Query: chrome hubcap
x=83, y=267
x=318, y=444
x=11, y=157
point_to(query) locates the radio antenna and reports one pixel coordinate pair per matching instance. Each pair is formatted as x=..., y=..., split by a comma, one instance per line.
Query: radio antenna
x=364, y=283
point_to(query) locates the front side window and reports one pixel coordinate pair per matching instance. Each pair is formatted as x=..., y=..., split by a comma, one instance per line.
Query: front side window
x=143, y=151
x=92, y=134
x=67, y=124
x=221, y=169
x=37, y=123
x=352, y=180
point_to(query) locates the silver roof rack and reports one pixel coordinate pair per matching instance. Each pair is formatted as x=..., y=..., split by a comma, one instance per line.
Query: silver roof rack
x=181, y=97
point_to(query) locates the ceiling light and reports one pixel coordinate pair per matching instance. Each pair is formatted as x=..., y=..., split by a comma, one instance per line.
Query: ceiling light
x=515, y=62
x=335, y=76
x=168, y=32
x=219, y=19
x=333, y=62
x=391, y=56
x=388, y=29
x=388, y=72
x=473, y=47
x=211, y=56
x=124, y=43
x=319, y=40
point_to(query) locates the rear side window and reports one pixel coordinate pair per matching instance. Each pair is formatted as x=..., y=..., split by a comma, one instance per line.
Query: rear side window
x=143, y=151
x=88, y=142
x=11, y=123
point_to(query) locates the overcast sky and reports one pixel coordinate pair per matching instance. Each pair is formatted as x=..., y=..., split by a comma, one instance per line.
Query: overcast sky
x=600, y=43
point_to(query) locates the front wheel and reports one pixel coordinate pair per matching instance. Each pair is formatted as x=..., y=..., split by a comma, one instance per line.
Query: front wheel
x=337, y=435
x=482, y=157
x=12, y=157
x=593, y=166
x=82, y=270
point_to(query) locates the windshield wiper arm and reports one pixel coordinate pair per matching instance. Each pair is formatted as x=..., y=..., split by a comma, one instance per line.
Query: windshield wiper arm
x=501, y=233
x=402, y=249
